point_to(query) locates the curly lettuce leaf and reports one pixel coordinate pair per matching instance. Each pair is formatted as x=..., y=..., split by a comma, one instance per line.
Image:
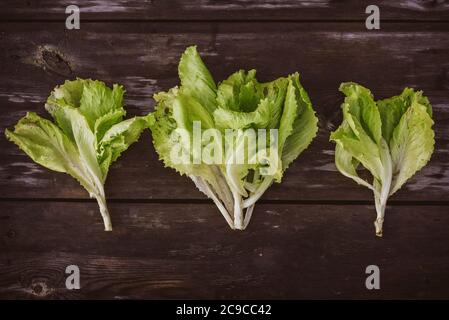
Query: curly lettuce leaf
x=412, y=142
x=89, y=133
x=196, y=80
x=47, y=145
x=298, y=124
x=242, y=104
x=392, y=138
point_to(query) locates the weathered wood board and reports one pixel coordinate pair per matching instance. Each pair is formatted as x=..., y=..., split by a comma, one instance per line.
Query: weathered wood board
x=310, y=237
x=187, y=250
x=144, y=56
x=231, y=10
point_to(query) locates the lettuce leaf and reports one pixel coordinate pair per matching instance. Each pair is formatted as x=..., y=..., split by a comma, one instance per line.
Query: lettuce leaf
x=88, y=135
x=392, y=138
x=243, y=104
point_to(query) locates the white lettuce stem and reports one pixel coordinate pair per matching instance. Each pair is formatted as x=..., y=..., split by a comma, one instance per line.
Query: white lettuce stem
x=248, y=214
x=238, y=210
x=381, y=199
x=258, y=193
x=204, y=187
x=104, y=212
x=224, y=193
x=222, y=209
x=380, y=210
x=250, y=209
x=96, y=189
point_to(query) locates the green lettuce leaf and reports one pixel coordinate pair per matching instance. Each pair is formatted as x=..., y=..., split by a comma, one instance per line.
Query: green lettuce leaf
x=299, y=125
x=392, y=138
x=196, y=80
x=88, y=135
x=243, y=171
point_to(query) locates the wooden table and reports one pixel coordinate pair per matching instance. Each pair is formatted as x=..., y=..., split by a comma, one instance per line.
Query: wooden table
x=310, y=237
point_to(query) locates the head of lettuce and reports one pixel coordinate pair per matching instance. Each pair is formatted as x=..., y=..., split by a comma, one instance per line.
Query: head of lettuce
x=392, y=138
x=234, y=138
x=88, y=134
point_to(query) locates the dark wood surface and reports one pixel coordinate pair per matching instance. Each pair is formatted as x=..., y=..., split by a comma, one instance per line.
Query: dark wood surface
x=311, y=236
x=144, y=57
x=231, y=10
x=186, y=250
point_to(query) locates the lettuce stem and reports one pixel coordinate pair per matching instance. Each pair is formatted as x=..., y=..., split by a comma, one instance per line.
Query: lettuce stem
x=380, y=210
x=238, y=211
x=387, y=176
x=248, y=214
x=259, y=192
x=104, y=212
x=204, y=187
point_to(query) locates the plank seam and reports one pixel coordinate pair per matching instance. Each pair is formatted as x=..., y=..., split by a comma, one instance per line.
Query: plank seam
x=390, y=21
x=207, y=201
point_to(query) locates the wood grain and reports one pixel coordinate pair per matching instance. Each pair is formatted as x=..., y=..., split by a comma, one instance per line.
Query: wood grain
x=187, y=250
x=159, y=10
x=310, y=237
x=144, y=57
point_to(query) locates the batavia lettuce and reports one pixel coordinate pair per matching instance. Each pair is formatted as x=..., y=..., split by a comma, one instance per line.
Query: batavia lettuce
x=242, y=104
x=391, y=138
x=88, y=134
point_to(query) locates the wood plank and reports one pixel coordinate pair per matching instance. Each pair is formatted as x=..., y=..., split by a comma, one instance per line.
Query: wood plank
x=298, y=10
x=144, y=57
x=188, y=251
